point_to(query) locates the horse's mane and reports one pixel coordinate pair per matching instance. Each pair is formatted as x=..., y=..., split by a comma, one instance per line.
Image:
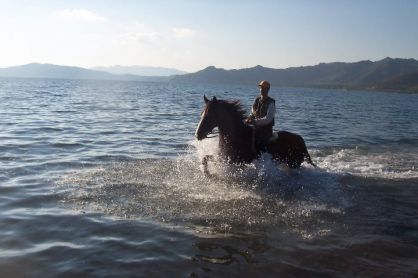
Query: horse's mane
x=235, y=107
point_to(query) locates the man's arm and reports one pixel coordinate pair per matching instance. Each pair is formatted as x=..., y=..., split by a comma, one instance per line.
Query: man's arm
x=268, y=118
x=252, y=114
x=251, y=117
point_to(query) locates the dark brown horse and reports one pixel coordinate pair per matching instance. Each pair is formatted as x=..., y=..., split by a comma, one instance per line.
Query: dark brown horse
x=236, y=139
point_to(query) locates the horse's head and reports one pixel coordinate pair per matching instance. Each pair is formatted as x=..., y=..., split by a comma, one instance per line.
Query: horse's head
x=209, y=118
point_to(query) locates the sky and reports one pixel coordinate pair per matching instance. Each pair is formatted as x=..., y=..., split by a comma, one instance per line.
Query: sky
x=191, y=35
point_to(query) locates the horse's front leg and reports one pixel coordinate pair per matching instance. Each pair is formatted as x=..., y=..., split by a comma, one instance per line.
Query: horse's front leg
x=205, y=161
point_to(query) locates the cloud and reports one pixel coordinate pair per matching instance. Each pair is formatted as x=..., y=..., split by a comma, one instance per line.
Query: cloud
x=180, y=32
x=79, y=15
x=139, y=34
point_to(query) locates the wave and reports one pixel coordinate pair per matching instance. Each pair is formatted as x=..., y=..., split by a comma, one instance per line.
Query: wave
x=375, y=162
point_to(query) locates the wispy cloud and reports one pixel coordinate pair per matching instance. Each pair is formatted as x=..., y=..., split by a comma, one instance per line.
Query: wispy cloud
x=181, y=32
x=79, y=15
x=140, y=34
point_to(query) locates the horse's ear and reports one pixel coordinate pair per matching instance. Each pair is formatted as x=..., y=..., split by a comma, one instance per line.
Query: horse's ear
x=205, y=99
x=214, y=99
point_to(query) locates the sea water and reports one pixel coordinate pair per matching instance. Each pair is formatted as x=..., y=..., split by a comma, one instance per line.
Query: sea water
x=103, y=178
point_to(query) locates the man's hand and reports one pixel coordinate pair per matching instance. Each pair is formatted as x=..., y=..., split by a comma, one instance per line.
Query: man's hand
x=249, y=120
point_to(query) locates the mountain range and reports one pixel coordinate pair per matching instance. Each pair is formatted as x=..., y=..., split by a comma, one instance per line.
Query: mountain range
x=140, y=70
x=387, y=74
x=36, y=70
x=399, y=75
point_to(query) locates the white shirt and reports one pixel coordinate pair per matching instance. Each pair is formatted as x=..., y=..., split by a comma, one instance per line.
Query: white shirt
x=268, y=118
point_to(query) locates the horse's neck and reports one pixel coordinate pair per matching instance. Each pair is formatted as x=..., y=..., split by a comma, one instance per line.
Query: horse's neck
x=233, y=129
x=236, y=139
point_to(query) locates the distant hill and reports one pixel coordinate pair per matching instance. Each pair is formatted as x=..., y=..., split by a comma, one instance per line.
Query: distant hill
x=36, y=70
x=387, y=74
x=141, y=70
x=384, y=75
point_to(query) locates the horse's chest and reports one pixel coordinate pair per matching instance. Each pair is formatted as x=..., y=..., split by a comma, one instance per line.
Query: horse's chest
x=236, y=151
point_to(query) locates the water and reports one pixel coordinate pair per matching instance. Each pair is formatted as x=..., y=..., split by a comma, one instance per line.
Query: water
x=102, y=178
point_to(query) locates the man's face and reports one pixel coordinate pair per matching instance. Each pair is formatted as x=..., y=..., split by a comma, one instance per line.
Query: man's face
x=264, y=91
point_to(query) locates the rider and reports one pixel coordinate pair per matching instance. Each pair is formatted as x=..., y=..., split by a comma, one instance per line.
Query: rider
x=262, y=116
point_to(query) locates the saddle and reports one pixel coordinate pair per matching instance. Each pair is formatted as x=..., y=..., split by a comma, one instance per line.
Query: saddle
x=259, y=144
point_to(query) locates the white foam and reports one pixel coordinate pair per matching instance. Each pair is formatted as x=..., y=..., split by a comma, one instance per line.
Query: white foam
x=260, y=193
x=311, y=185
x=386, y=164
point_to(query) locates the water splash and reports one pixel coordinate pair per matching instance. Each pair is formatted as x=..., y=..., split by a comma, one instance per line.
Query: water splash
x=374, y=163
x=255, y=196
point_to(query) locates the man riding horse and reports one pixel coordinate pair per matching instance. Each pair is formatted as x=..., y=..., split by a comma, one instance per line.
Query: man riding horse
x=262, y=116
x=236, y=138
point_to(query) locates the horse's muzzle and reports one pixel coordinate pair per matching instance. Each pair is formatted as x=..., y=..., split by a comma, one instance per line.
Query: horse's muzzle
x=199, y=136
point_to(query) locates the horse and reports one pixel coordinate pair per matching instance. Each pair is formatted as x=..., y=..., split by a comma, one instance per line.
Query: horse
x=237, y=139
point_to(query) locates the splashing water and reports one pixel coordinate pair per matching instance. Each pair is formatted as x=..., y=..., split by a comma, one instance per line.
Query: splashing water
x=253, y=196
x=374, y=163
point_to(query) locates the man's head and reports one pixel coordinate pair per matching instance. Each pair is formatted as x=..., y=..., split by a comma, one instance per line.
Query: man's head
x=264, y=88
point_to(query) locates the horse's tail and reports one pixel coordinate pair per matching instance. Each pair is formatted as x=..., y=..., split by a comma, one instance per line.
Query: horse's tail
x=306, y=156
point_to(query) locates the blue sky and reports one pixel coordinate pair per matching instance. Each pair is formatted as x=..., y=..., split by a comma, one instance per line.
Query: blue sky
x=191, y=35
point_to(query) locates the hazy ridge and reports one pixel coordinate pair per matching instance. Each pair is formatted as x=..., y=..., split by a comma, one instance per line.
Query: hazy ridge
x=36, y=70
x=140, y=70
x=385, y=75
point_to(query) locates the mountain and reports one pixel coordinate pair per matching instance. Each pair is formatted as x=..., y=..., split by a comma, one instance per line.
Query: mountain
x=387, y=74
x=384, y=75
x=141, y=70
x=36, y=70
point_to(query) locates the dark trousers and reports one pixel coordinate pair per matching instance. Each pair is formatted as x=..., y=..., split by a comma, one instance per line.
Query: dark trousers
x=262, y=136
